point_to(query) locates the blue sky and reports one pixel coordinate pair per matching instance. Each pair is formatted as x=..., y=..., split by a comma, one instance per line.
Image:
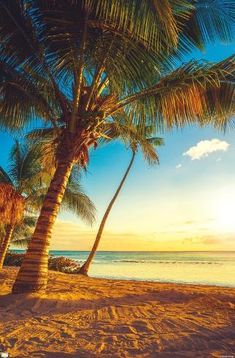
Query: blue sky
x=180, y=204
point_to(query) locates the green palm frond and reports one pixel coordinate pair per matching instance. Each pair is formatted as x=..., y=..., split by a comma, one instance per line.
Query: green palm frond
x=210, y=20
x=24, y=96
x=154, y=24
x=25, y=177
x=148, y=147
x=156, y=141
x=78, y=202
x=80, y=64
x=130, y=43
x=22, y=233
x=191, y=93
x=30, y=221
x=133, y=136
x=25, y=168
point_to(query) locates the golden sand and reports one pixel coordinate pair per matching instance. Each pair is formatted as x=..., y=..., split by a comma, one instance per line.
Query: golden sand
x=88, y=317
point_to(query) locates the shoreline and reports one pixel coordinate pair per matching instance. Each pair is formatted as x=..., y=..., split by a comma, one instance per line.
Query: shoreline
x=210, y=269
x=140, y=279
x=93, y=317
x=161, y=282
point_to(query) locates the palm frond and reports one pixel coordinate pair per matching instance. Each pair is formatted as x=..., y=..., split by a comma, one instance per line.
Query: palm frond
x=210, y=20
x=77, y=201
x=23, y=232
x=122, y=128
x=11, y=205
x=185, y=96
x=48, y=140
x=25, y=166
x=24, y=96
x=79, y=204
x=148, y=147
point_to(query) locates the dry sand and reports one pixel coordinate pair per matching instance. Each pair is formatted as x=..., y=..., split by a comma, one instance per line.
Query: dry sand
x=88, y=317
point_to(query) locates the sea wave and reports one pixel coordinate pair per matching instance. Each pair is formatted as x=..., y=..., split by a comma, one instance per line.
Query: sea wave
x=159, y=262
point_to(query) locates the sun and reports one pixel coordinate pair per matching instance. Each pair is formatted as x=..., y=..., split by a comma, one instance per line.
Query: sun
x=225, y=212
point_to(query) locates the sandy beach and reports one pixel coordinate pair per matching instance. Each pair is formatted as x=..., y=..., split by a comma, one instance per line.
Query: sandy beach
x=88, y=317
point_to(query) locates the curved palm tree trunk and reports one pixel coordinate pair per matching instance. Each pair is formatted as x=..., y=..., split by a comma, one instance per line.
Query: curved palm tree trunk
x=5, y=244
x=32, y=276
x=85, y=267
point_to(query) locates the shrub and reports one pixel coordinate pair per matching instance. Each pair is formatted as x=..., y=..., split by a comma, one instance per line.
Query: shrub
x=13, y=259
x=61, y=264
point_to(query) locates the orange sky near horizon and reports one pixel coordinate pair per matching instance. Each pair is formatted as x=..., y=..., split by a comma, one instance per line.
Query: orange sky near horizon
x=201, y=225
x=70, y=236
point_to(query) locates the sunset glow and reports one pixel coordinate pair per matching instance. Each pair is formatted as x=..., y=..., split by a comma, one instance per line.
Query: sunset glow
x=225, y=219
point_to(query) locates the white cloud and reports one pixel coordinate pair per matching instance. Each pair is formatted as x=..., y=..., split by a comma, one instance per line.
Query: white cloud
x=178, y=166
x=205, y=147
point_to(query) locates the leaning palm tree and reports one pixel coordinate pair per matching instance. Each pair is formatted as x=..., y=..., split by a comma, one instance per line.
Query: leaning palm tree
x=147, y=145
x=77, y=64
x=22, y=191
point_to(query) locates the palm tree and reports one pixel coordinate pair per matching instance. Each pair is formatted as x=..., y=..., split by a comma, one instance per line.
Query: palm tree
x=148, y=145
x=13, y=204
x=77, y=64
x=23, y=178
x=22, y=191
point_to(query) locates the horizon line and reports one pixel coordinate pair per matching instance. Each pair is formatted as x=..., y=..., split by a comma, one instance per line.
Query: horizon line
x=135, y=250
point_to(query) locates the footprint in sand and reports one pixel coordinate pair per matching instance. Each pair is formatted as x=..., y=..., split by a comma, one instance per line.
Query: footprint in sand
x=141, y=326
x=125, y=329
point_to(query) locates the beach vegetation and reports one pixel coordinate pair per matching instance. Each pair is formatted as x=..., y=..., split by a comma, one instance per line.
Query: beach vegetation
x=148, y=146
x=22, y=190
x=79, y=64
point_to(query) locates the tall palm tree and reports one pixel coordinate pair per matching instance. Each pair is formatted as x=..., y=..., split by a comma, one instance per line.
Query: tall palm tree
x=22, y=190
x=148, y=145
x=77, y=64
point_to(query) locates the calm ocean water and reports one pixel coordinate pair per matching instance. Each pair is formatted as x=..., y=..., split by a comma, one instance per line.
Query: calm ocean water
x=208, y=268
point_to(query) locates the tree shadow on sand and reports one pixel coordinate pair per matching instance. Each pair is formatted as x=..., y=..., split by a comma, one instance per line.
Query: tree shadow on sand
x=31, y=304
x=207, y=343
x=173, y=338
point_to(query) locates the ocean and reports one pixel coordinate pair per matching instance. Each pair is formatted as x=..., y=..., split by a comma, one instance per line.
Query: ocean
x=205, y=268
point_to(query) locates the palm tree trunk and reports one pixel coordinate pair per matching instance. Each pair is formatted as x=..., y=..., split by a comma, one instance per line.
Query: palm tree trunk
x=5, y=244
x=85, y=267
x=32, y=276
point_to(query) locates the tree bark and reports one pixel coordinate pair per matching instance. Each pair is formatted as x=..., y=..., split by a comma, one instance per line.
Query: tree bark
x=32, y=276
x=85, y=267
x=5, y=244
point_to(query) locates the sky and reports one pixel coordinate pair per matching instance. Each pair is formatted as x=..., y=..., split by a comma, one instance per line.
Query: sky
x=185, y=203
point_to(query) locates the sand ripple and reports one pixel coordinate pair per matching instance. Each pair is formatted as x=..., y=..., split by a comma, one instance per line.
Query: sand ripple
x=87, y=317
